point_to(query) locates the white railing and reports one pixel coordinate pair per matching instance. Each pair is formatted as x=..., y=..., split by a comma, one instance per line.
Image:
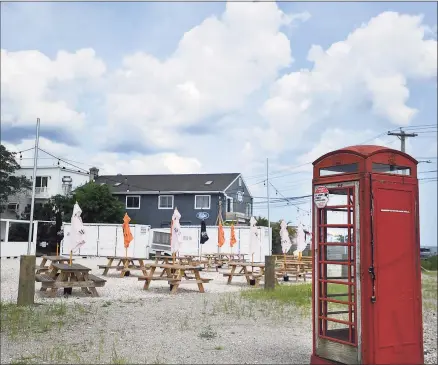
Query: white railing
x=12, y=249
x=40, y=189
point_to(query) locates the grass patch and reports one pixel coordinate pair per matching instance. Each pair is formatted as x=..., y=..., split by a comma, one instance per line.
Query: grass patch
x=219, y=348
x=300, y=295
x=431, y=263
x=27, y=321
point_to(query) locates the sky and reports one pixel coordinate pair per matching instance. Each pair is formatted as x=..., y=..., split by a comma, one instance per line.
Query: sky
x=145, y=88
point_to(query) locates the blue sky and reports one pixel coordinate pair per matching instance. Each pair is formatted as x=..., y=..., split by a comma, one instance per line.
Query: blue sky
x=220, y=119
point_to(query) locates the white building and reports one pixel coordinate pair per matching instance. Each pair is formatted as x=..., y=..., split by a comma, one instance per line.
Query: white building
x=50, y=181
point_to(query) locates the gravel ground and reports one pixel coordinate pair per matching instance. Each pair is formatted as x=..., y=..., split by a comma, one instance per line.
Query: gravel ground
x=129, y=325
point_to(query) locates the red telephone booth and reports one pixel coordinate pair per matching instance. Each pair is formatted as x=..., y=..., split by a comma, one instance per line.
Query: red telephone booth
x=366, y=258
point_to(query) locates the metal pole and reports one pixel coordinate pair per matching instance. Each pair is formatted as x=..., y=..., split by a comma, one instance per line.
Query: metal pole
x=267, y=192
x=403, y=141
x=32, y=203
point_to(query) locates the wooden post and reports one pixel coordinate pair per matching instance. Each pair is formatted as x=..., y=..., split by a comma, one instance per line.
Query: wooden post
x=26, y=282
x=270, y=272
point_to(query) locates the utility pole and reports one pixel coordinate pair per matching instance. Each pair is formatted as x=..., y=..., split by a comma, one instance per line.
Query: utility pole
x=402, y=135
x=267, y=193
x=26, y=279
x=32, y=203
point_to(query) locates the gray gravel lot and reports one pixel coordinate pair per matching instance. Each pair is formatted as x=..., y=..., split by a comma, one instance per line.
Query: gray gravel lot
x=129, y=325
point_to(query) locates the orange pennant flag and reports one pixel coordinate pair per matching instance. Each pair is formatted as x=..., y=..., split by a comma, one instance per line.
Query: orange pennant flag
x=233, y=236
x=127, y=235
x=221, y=236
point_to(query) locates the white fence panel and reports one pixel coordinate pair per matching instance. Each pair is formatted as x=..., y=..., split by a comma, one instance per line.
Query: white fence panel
x=244, y=242
x=91, y=237
x=190, y=241
x=211, y=245
x=141, y=235
x=107, y=240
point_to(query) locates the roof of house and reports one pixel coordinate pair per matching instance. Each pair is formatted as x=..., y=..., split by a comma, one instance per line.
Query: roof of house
x=168, y=183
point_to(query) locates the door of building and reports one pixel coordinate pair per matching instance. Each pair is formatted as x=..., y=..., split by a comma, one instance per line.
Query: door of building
x=337, y=269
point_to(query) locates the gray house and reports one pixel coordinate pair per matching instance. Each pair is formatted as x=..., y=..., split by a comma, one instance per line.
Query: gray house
x=150, y=199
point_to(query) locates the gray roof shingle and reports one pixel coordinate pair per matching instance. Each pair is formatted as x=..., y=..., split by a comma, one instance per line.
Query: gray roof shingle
x=164, y=183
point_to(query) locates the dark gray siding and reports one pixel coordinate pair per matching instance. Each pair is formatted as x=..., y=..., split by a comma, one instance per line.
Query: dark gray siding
x=232, y=193
x=157, y=218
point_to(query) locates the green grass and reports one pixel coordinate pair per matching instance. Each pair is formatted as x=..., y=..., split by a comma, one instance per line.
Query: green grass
x=300, y=295
x=219, y=348
x=25, y=321
x=430, y=263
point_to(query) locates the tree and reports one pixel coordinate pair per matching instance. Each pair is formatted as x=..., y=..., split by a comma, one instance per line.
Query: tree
x=276, y=239
x=96, y=201
x=98, y=204
x=9, y=183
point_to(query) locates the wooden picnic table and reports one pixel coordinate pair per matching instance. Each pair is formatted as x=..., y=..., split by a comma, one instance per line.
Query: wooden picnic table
x=125, y=264
x=69, y=276
x=175, y=275
x=52, y=259
x=249, y=274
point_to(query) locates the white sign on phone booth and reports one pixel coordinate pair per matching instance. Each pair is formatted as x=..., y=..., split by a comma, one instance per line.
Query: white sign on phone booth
x=321, y=196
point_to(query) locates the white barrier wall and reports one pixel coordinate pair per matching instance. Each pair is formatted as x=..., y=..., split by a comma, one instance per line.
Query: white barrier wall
x=15, y=249
x=191, y=245
x=107, y=240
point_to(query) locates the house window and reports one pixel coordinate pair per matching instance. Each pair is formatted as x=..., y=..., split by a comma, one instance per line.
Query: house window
x=202, y=201
x=133, y=202
x=41, y=181
x=165, y=202
x=248, y=209
x=229, y=205
x=240, y=181
x=12, y=206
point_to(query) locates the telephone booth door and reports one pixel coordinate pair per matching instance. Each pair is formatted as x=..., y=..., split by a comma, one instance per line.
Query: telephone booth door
x=337, y=273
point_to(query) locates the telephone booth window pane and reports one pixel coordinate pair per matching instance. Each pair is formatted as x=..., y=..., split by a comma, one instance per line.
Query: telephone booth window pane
x=391, y=169
x=337, y=267
x=338, y=169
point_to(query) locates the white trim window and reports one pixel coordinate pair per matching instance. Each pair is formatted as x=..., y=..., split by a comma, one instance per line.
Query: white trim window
x=230, y=204
x=202, y=201
x=248, y=209
x=132, y=202
x=41, y=181
x=165, y=201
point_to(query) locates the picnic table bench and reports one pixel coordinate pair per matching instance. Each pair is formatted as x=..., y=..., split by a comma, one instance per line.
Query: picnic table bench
x=125, y=265
x=69, y=276
x=175, y=275
x=251, y=275
x=53, y=259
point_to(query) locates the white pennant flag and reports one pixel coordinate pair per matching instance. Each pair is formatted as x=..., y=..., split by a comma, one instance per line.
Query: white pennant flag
x=77, y=232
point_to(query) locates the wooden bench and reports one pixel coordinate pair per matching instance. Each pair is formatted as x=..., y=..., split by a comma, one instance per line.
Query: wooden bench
x=142, y=278
x=204, y=280
x=227, y=274
x=43, y=278
x=96, y=279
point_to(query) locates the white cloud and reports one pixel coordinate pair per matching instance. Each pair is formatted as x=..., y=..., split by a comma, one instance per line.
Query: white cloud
x=334, y=138
x=373, y=64
x=108, y=163
x=215, y=67
x=31, y=83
